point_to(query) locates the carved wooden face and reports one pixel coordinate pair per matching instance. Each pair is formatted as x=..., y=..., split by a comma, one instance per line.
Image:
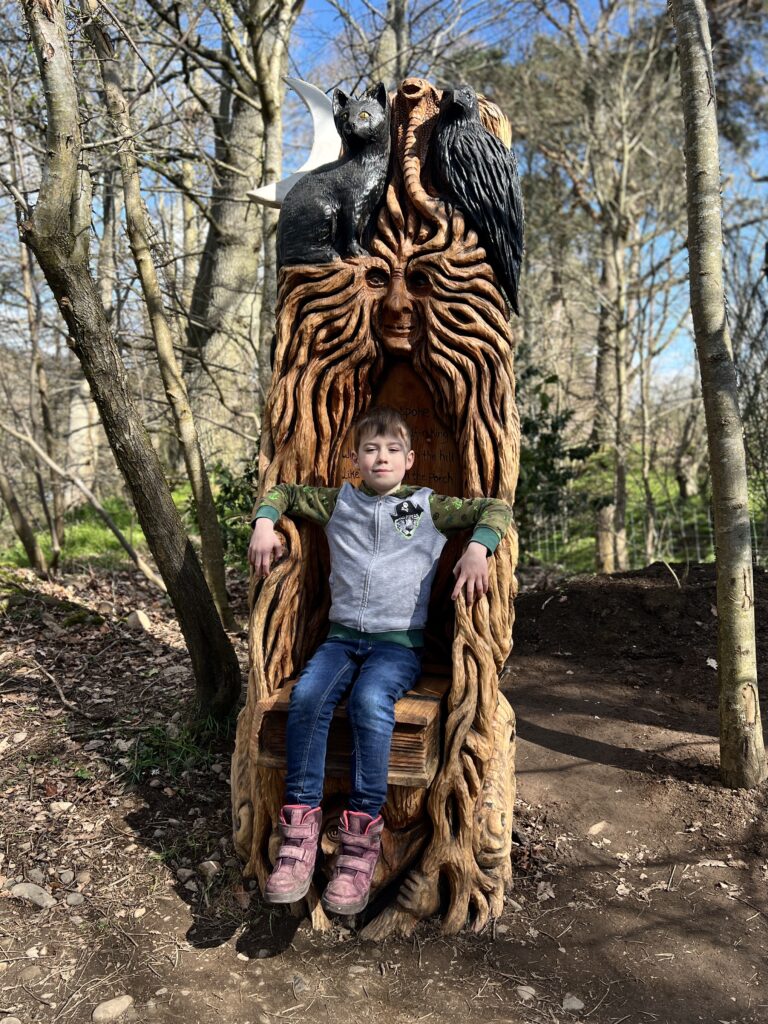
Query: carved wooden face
x=399, y=310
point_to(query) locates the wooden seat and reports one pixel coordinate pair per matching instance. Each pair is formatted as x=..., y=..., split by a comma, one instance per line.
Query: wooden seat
x=415, y=752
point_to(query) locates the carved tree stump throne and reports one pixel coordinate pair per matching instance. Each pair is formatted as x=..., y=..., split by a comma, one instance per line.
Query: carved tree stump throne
x=419, y=324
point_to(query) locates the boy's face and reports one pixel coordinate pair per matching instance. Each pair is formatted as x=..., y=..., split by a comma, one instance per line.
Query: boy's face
x=383, y=461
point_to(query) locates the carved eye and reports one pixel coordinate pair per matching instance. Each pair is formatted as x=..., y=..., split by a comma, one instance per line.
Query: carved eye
x=364, y=115
x=377, y=278
x=419, y=282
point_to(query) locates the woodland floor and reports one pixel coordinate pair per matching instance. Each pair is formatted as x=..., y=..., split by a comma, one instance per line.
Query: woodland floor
x=641, y=886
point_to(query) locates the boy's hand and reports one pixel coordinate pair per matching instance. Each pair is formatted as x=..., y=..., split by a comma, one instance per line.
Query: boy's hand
x=472, y=569
x=264, y=547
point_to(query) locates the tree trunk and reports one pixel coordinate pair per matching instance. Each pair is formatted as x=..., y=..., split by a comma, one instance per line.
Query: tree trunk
x=742, y=754
x=22, y=526
x=139, y=229
x=604, y=427
x=58, y=232
x=227, y=328
x=226, y=300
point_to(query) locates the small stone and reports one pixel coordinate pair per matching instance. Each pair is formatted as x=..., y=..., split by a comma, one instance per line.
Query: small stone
x=66, y=877
x=10, y=1020
x=36, y=876
x=155, y=783
x=25, y=847
x=572, y=1003
x=93, y=745
x=263, y=954
x=76, y=919
x=191, y=886
x=597, y=828
x=138, y=620
x=33, y=894
x=139, y=912
x=60, y=806
x=357, y=969
x=74, y=899
x=184, y=874
x=172, y=731
x=83, y=877
x=111, y=1009
x=242, y=956
x=31, y=973
x=502, y=929
x=19, y=737
x=207, y=869
x=514, y=905
x=33, y=952
x=105, y=608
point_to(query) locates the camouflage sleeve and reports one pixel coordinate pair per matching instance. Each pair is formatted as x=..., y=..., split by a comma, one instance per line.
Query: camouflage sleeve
x=488, y=518
x=313, y=503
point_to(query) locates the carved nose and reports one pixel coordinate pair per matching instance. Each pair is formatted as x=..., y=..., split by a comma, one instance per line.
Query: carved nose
x=398, y=299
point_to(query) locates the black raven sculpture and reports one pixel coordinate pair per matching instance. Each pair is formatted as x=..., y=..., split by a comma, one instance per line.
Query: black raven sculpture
x=473, y=169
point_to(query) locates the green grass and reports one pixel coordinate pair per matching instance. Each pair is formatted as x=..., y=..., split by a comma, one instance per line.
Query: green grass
x=197, y=745
x=88, y=539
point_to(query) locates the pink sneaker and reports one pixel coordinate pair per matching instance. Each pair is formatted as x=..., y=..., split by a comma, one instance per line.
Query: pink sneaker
x=291, y=877
x=350, y=885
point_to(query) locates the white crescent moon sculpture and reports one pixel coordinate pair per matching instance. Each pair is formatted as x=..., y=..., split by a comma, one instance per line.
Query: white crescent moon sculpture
x=326, y=144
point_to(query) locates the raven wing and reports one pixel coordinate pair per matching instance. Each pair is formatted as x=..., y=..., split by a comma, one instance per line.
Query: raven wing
x=481, y=173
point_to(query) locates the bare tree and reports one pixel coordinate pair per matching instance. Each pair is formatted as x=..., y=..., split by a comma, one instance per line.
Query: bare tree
x=742, y=754
x=57, y=230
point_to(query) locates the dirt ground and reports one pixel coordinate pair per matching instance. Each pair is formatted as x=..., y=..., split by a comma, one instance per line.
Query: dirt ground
x=640, y=888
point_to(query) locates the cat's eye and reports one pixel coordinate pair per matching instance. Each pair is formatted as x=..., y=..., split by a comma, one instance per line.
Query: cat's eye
x=364, y=115
x=377, y=278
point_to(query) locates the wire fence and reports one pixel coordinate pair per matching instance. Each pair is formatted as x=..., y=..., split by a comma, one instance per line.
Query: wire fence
x=682, y=533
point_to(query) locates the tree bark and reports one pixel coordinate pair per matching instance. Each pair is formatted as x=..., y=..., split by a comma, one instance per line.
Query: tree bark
x=22, y=526
x=58, y=231
x=164, y=331
x=742, y=754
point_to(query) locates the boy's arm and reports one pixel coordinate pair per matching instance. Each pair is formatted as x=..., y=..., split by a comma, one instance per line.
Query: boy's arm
x=488, y=518
x=313, y=503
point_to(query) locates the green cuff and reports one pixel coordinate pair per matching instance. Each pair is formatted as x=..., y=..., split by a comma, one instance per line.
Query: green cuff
x=487, y=537
x=266, y=512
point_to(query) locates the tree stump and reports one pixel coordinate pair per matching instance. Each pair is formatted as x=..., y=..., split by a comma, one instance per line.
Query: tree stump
x=419, y=324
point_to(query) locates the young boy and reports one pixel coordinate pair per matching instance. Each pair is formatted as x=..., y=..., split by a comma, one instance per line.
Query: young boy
x=385, y=540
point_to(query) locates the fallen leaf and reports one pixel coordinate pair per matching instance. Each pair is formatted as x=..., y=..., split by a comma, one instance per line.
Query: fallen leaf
x=544, y=891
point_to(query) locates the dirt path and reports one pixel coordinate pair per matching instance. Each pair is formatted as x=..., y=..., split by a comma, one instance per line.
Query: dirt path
x=640, y=884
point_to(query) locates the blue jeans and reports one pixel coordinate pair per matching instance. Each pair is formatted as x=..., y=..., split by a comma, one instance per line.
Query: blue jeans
x=372, y=676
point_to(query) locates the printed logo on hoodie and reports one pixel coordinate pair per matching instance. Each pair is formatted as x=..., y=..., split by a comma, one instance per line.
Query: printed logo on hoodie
x=406, y=517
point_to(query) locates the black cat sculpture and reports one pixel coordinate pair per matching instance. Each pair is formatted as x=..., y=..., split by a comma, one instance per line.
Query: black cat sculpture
x=325, y=215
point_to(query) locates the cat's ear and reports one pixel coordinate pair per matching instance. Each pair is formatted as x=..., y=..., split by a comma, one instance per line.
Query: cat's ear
x=340, y=101
x=379, y=93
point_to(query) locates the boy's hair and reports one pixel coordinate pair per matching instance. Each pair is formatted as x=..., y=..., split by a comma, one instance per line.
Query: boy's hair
x=382, y=419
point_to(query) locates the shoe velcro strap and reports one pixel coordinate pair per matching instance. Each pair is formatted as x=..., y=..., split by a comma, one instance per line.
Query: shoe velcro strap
x=356, y=863
x=298, y=831
x=352, y=839
x=291, y=852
